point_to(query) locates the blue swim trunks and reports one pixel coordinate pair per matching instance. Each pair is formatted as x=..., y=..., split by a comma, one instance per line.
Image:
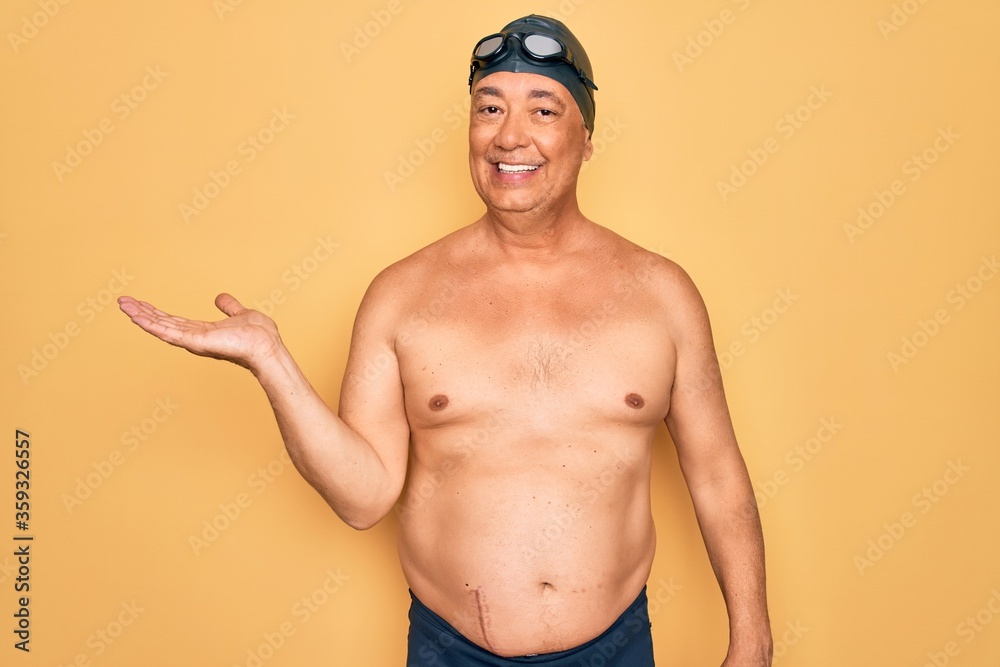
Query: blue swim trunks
x=628, y=642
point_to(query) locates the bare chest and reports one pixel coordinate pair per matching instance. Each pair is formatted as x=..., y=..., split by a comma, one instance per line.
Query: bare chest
x=541, y=357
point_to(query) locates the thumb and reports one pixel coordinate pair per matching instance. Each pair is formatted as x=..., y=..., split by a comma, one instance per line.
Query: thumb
x=228, y=304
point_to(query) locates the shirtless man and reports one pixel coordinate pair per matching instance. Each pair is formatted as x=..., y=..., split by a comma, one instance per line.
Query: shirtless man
x=503, y=389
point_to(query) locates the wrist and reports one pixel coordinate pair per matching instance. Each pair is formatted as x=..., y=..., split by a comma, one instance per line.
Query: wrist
x=275, y=366
x=751, y=647
x=751, y=634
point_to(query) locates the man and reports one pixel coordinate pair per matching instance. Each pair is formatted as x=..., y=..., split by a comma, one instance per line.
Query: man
x=504, y=385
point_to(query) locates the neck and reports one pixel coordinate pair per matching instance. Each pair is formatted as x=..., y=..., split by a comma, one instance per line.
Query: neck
x=535, y=235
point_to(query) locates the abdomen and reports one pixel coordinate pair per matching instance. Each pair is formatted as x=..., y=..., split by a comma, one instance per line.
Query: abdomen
x=528, y=545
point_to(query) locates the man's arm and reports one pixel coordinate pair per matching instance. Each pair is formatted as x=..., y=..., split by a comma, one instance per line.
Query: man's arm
x=717, y=479
x=357, y=467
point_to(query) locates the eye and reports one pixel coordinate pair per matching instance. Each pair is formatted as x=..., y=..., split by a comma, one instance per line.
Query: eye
x=491, y=109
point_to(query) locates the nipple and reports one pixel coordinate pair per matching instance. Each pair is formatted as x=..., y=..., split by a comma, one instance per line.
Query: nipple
x=634, y=401
x=438, y=402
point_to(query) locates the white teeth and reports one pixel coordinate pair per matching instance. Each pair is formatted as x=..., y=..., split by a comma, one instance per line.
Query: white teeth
x=515, y=168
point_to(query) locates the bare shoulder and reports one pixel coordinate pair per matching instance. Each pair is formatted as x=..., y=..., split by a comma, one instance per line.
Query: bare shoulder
x=676, y=287
x=410, y=274
x=662, y=277
x=396, y=288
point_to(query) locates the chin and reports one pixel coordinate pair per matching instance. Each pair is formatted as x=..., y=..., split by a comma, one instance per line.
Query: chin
x=512, y=204
x=514, y=200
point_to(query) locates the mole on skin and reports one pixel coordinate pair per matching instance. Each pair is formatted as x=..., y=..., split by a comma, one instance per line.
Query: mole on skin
x=438, y=402
x=633, y=401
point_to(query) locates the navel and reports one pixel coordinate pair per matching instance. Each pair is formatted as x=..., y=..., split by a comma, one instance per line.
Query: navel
x=634, y=401
x=438, y=402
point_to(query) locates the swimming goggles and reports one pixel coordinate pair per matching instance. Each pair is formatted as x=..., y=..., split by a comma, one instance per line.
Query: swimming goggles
x=536, y=46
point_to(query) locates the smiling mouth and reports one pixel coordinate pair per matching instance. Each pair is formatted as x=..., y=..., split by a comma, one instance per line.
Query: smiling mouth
x=505, y=168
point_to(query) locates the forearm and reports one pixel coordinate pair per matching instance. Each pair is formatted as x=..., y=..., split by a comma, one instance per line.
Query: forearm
x=337, y=461
x=730, y=524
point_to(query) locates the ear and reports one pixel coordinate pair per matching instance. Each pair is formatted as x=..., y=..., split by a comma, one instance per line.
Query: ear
x=588, y=146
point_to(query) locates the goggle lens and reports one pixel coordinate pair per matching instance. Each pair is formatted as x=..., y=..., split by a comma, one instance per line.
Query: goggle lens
x=542, y=46
x=488, y=46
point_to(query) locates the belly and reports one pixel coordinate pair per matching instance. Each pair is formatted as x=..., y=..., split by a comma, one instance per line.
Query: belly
x=533, y=551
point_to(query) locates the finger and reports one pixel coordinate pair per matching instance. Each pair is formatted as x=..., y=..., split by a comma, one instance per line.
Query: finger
x=179, y=331
x=128, y=305
x=228, y=304
x=164, y=326
x=133, y=307
x=164, y=330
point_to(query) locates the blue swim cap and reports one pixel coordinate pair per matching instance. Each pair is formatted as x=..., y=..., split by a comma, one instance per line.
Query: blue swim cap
x=570, y=66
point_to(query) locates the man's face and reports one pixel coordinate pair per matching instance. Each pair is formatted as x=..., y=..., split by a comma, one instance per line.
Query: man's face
x=527, y=142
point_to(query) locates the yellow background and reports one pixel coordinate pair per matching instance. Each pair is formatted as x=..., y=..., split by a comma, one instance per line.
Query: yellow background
x=885, y=80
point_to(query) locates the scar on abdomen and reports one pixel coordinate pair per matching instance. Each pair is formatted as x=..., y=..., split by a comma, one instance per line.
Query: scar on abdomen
x=484, y=617
x=438, y=402
x=634, y=401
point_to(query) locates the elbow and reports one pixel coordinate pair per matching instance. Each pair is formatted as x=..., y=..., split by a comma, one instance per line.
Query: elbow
x=364, y=518
x=360, y=523
x=360, y=510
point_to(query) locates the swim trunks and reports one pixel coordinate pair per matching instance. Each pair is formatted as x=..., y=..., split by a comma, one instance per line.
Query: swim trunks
x=432, y=642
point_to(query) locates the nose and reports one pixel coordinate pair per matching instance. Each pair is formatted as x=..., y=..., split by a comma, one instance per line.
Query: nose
x=513, y=132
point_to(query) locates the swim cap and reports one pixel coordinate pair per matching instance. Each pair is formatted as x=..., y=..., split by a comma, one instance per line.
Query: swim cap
x=571, y=68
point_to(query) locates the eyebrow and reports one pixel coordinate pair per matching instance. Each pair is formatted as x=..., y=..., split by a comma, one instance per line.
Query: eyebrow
x=543, y=94
x=533, y=94
x=488, y=91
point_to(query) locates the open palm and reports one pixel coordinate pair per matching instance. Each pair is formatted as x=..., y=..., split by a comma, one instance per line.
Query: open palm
x=246, y=337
